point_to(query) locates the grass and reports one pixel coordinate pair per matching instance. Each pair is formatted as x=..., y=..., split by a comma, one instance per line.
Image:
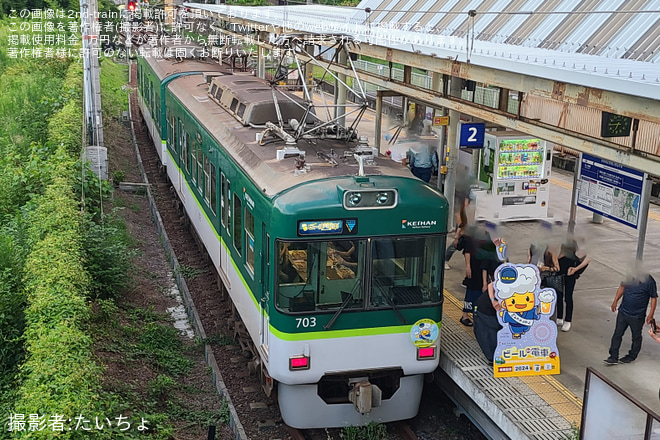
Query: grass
x=114, y=93
x=144, y=338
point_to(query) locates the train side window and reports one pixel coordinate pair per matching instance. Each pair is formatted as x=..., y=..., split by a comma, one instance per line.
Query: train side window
x=194, y=153
x=234, y=104
x=214, y=190
x=200, y=164
x=207, y=180
x=185, y=151
x=213, y=89
x=228, y=211
x=241, y=110
x=249, y=239
x=223, y=199
x=170, y=128
x=157, y=115
x=237, y=224
x=179, y=138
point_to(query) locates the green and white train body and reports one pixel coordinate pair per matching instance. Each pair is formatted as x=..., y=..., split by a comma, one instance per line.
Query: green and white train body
x=337, y=277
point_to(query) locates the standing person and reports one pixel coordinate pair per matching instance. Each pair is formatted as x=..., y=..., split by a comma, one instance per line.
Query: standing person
x=635, y=294
x=540, y=255
x=486, y=324
x=423, y=161
x=461, y=202
x=571, y=267
x=472, y=277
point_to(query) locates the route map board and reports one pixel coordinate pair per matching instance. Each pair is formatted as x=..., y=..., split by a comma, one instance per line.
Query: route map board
x=610, y=189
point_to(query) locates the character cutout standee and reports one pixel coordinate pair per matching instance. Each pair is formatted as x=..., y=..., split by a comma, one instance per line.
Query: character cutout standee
x=527, y=343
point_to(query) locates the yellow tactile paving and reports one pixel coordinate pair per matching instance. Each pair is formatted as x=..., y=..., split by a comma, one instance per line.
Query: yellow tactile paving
x=561, y=183
x=456, y=312
x=562, y=400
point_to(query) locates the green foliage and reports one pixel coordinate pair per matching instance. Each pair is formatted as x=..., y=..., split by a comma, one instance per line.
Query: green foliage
x=189, y=272
x=161, y=345
x=161, y=387
x=575, y=432
x=107, y=255
x=118, y=176
x=23, y=175
x=372, y=431
x=59, y=375
x=93, y=191
x=13, y=252
x=114, y=91
x=225, y=414
x=218, y=339
x=65, y=127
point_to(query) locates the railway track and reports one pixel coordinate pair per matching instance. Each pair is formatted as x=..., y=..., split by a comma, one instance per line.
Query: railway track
x=258, y=414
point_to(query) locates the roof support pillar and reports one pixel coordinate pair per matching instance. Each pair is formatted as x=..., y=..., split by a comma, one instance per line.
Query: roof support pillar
x=437, y=84
x=261, y=62
x=379, y=119
x=340, y=91
x=452, y=147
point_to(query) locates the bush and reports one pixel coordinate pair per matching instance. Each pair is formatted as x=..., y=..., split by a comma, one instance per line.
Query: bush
x=107, y=256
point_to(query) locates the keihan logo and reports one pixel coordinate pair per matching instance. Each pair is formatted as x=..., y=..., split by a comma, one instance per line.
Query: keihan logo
x=417, y=224
x=350, y=224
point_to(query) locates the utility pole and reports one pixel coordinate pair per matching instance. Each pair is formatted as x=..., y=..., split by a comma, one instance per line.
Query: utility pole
x=91, y=71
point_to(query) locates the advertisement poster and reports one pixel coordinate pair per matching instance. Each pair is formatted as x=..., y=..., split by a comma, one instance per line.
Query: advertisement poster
x=527, y=342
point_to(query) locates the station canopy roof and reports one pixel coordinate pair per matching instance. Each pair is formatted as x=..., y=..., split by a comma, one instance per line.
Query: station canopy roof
x=612, y=45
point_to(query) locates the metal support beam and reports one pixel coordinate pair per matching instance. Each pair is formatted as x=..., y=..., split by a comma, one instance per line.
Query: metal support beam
x=379, y=119
x=437, y=85
x=261, y=62
x=646, y=108
x=620, y=103
x=609, y=101
x=556, y=135
x=573, y=212
x=452, y=146
x=643, y=217
x=340, y=89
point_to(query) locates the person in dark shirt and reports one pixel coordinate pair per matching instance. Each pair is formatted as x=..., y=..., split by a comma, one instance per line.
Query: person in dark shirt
x=635, y=296
x=472, y=277
x=486, y=324
x=570, y=266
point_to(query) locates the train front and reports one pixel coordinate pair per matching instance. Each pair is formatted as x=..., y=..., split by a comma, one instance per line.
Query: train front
x=356, y=308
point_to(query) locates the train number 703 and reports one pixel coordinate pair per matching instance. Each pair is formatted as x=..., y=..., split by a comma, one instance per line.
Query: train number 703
x=306, y=322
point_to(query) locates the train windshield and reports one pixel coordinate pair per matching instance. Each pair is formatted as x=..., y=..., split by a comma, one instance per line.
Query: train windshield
x=386, y=272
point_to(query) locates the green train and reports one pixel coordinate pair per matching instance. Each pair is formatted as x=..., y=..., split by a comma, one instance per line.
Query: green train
x=336, y=270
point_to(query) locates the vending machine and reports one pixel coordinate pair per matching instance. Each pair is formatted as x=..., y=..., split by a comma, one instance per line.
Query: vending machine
x=515, y=171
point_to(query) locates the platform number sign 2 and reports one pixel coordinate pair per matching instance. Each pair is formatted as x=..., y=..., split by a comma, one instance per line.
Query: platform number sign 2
x=472, y=135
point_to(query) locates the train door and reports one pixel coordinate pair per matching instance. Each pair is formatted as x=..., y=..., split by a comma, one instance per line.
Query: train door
x=265, y=289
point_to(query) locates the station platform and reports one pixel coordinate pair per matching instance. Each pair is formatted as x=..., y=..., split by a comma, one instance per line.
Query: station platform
x=550, y=407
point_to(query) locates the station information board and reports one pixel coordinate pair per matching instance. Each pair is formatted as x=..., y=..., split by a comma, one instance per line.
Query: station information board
x=610, y=189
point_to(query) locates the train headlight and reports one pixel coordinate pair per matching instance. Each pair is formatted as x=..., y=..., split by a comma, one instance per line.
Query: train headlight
x=354, y=198
x=382, y=198
x=371, y=199
x=426, y=353
x=299, y=363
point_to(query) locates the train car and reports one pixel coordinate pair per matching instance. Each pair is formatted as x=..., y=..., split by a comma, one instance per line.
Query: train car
x=336, y=270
